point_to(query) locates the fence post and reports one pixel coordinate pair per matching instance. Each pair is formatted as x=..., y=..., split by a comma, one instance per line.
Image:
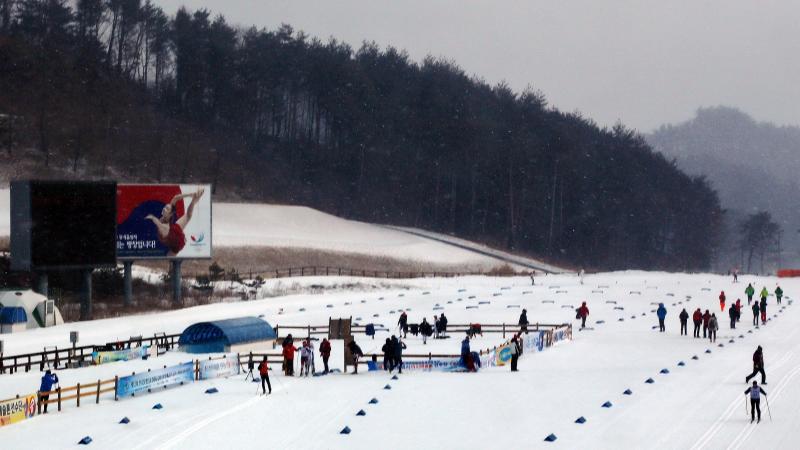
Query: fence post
x=38, y=402
x=309, y=332
x=116, y=384
x=326, y=271
x=79, y=395
x=59, y=398
x=97, y=399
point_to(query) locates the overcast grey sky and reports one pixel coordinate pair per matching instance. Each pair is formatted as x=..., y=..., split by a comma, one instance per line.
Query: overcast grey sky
x=640, y=61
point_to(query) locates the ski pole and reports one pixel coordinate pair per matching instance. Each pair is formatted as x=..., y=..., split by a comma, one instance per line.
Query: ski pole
x=746, y=411
x=768, y=411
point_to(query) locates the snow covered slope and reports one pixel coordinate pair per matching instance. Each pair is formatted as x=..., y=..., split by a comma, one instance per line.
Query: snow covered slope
x=695, y=405
x=262, y=225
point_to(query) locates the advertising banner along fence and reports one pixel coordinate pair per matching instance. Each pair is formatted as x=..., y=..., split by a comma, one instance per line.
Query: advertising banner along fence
x=17, y=409
x=217, y=368
x=127, y=354
x=163, y=221
x=141, y=382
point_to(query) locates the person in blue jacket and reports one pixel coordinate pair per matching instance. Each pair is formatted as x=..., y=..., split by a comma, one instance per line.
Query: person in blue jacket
x=48, y=380
x=662, y=314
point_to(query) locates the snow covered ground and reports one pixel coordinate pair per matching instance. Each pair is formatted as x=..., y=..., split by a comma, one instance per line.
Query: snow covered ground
x=263, y=225
x=699, y=405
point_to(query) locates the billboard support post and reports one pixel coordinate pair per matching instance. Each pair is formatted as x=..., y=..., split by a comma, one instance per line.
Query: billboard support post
x=176, y=280
x=86, y=295
x=127, y=281
x=41, y=283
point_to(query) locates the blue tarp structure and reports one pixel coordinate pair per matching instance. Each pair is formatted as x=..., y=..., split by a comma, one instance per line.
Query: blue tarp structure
x=13, y=314
x=220, y=335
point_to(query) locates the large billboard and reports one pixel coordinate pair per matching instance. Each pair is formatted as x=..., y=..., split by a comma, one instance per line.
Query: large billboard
x=62, y=224
x=163, y=221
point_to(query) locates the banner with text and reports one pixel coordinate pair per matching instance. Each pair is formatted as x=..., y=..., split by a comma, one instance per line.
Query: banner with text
x=217, y=368
x=141, y=382
x=127, y=354
x=17, y=409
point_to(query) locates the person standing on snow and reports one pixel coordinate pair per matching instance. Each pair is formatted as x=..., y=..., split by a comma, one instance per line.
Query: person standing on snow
x=403, y=324
x=722, y=300
x=697, y=318
x=263, y=372
x=713, y=326
x=388, y=355
x=732, y=315
x=356, y=351
x=756, y=309
x=48, y=380
x=749, y=292
x=305, y=359
x=661, y=312
x=425, y=330
x=288, y=355
x=515, y=352
x=763, y=307
x=764, y=293
x=442, y=326
x=706, y=320
x=397, y=352
x=325, y=351
x=436, y=327
x=778, y=294
x=738, y=309
x=523, y=321
x=755, y=401
x=758, y=366
x=583, y=313
x=684, y=317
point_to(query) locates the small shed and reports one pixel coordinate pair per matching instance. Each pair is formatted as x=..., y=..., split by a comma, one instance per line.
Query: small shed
x=244, y=333
x=39, y=311
x=13, y=319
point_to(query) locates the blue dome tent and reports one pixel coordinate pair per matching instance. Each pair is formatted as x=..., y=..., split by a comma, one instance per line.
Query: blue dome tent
x=220, y=335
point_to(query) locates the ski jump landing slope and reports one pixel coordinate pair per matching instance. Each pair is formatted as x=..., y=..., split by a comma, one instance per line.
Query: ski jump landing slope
x=699, y=404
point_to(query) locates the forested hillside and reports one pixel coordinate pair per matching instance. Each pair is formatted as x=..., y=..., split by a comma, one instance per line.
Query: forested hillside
x=116, y=88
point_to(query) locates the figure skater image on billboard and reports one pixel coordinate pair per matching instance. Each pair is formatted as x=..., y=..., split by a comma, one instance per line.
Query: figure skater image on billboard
x=170, y=232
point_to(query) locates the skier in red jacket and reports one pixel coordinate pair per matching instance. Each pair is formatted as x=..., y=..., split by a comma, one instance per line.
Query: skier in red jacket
x=722, y=301
x=697, y=318
x=325, y=351
x=583, y=313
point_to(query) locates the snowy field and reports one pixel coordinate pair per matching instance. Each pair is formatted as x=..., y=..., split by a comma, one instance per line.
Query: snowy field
x=699, y=405
x=263, y=225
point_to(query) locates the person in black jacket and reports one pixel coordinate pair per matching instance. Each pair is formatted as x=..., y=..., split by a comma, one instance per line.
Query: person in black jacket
x=355, y=350
x=442, y=325
x=425, y=330
x=516, y=350
x=755, y=400
x=403, y=323
x=523, y=321
x=388, y=355
x=397, y=351
x=732, y=315
x=758, y=366
x=684, y=316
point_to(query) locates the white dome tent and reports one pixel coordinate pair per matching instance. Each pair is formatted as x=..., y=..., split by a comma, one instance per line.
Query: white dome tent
x=35, y=306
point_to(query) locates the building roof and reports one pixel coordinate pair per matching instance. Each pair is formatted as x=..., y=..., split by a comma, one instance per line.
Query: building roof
x=230, y=331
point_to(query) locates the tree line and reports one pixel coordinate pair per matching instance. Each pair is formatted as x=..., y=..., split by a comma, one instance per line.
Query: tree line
x=119, y=87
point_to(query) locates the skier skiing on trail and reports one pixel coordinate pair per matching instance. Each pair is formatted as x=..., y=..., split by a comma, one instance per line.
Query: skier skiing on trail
x=661, y=312
x=778, y=294
x=583, y=313
x=732, y=315
x=713, y=326
x=758, y=366
x=684, y=317
x=755, y=400
x=763, y=307
x=263, y=371
x=523, y=321
x=749, y=291
x=706, y=320
x=697, y=318
x=764, y=293
x=722, y=301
